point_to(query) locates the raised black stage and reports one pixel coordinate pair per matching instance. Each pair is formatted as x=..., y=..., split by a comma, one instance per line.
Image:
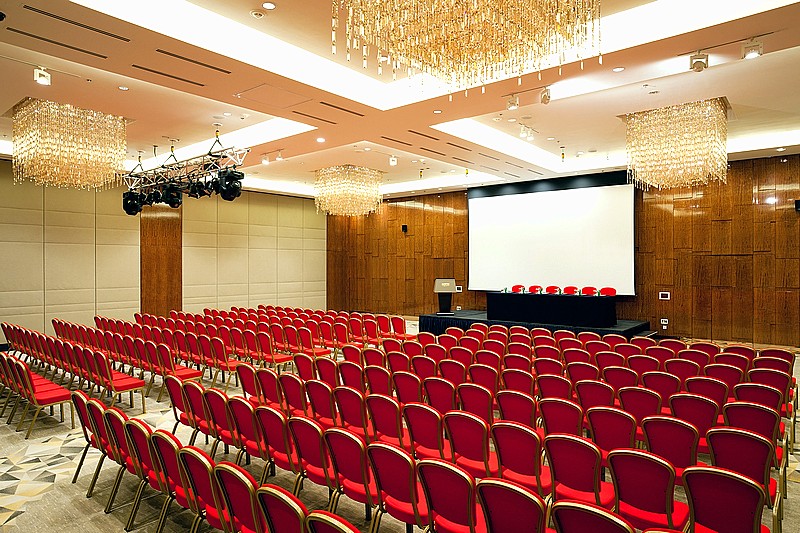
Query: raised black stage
x=436, y=324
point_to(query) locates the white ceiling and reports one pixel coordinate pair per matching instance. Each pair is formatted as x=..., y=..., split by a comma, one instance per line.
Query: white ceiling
x=189, y=64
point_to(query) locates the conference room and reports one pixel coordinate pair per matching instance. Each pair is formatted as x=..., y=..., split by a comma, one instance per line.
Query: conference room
x=240, y=234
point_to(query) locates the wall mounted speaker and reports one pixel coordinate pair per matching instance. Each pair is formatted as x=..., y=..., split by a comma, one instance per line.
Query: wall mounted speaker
x=404, y=227
x=797, y=205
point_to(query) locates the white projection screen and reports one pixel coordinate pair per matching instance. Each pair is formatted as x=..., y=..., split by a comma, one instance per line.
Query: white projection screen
x=579, y=236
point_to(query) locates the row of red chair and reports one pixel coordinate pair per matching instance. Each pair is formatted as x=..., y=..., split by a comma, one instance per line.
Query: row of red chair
x=189, y=476
x=569, y=289
x=76, y=361
x=24, y=386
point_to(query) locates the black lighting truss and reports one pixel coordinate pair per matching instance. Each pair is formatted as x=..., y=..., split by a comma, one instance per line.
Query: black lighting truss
x=213, y=172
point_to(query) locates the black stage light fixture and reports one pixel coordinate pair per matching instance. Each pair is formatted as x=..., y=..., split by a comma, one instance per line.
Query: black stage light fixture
x=229, y=184
x=198, y=189
x=172, y=195
x=132, y=202
x=153, y=197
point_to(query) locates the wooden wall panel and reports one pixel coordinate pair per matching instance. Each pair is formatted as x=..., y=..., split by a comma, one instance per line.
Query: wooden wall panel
x=729, y=254
x=161, y=260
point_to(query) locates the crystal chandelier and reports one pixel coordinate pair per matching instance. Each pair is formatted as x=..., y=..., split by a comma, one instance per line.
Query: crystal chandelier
x=678, y=146
x=348, y=190
x=467, y=43
x=60, y=145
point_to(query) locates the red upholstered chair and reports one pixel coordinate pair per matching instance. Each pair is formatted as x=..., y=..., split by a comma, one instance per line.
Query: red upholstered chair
x=455, y=332
x=425, y=338
x=293, y=390
x=744, y=501
x=627, y=349
x=506, y=505
x=197, y=477
x=398, y=361
x=485, y=375
x=561, y=416
x=399, y=328
x=352, y=410
x=570, y=289
x=611, y=429
x=247, y=377
x=453, y=371
x=711, y=388
x=577, y=517
x=518, y=380
x=391, y=345
x=751, y=455
x=137, y=434
x=440, y=394
x=407, y=387
x=700, y=357
x=644, y=485
x=643, y=342
x=488, y=358
x=519, y=454
x=238, y=490
x=575, y=467
x=546, y=351
x=352, y=375
x=593, y=393
x=574, y=354
x=379, y=380
x=437, y=352
x=400, y=493
x=469, y=438
x=447, y=341
x=79, y=402
x=672, y=439
x=643, y=363
x=476, y=399
x=517, y=347
x=242, y=420
x=589, y=291
x=353, y=476
x=282, y=510
x=661, y=353
x=450, y=492
x=320, y=399
x=664, y=384
x=327, y=522
x=423, y=366
x=605, y=359
x=273, y=425
x=553, y=386
x=709, y=348
x=612, y=339
x=164, y=447
x=386, y=415
x=426, y=428
x=373, y=356
x=553, y=289
x=270, y=387
x=535, y=289
x=473, y=344
x=641, y=403
x=462, y=354
x=594, y=346
x=517, y=407
x=748, y=352
x=619, y=376
x=315, y=461
x=608, y=291
x=699, y=411
x=673, y=344
x=518, y=288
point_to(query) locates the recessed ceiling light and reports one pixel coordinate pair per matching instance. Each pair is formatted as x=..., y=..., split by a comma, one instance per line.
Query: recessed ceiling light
x=226, y=114
x=367, y=148
x=413, y=160
x=320, y=139
x=551, y=138
x=122, y=88
x=269, y=6
x=617, y=69
x=256, y=14
x=781, y=149
x=580, y=152
x=512, y=120
x=452, y=171
x=437, y=111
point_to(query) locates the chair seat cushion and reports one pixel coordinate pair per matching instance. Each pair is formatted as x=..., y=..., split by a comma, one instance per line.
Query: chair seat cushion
x=51, y=396
x=443, y=525
x=543, y=487
x=606, y=495
x=404, y=511
x=700, y=528
x=642, y=519
x=477, y=467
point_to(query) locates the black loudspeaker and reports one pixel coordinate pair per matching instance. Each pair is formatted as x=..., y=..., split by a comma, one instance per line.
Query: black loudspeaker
x=404, y=228
x=797, y=205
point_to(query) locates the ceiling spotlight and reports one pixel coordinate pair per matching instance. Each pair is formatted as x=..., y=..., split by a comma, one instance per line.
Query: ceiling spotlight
x=41, y=76
x=752, y=49
x=320, y=139
x=172, y=196
x=198, y=189
x=229, y=184
x=367, y=149
x=698, y=62
x=265, y=159
x=513, y=103
x=544, y=97
x=392, y=161
x=437, y=111
x=269, y=6
x=781, y=149
x=122, y=88
x=617, y=69
x=279, y=156
x=132, y=202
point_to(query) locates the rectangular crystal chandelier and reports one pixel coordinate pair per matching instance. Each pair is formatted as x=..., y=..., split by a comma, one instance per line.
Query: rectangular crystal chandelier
x=60, y=145
x=467, y=43
x=678, y=146
x=348, y=190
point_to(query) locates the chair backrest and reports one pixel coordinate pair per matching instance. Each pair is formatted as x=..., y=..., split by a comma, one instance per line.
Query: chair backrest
x=711, y=388
x=269, y=386
x=283, y=510
x=605, y=359
x=507, y=505
x=695, y=409
x=463, y=355
x=743, y=497
x=407, y=387
x=348, y=454
x=663, y=383
x=320, y=397
x=379, y=379
x=238, y=489
x=577, y=517
x=484, y=375
x=197, y=478
x=273, y=426
x=423, y=366
x=386, y=416
x=760, y=394
x=627, y=349
x=519, y=449
x=426, y=429
x=516, y=406
x=611, y=428
x=546, y=365
x=164, y=447
x=619, y=376
x=450, y=492
x=574, y=462
x=640, y=402
x=293, y=390
x=671, y=438
x=440, y=394
x=643, y=480
x=518, y=380
x=307, y=436
x=593, y=346
x=754, y=417
x=673, y=344
x=476, y=399
x=327, y=370
x=710, y=348
x=396, y=479
x=742, y=451
x=593, y=393
x=574, y=354
x=352, y=375
x=553, y=386
x=469, y=437
x=247, y=377
x=453, y=371
x=643, y=363
x=561, y=416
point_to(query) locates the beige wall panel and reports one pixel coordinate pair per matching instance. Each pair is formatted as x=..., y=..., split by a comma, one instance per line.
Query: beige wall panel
x=15, y=231
x=263, y=210
x=117, y=266
x=232, y=266
x=263, y=265
x=22, y=266
x=201, y=209
x=70, y=200
x=312, y=219
x=69, y=266
x=235, y=212
x=23, y=196
x=290, y=212
x=290, y=265
x=314, y=265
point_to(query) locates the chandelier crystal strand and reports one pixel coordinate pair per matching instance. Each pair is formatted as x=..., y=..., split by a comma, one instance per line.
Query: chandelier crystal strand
x=468, y=43
x=348, y=190
x=678, y=146
x=60, y=145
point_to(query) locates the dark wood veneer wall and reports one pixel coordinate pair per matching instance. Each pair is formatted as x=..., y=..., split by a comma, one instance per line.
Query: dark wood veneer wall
x=161, y=259
x=729, y=254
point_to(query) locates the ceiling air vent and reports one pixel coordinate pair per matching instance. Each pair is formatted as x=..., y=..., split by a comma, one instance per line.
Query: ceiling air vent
x=192, y=61
x=333, y=106
x=396, y=140
x=76, y=23
x=171, y=76
x=314, y=117
x=57, y=43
